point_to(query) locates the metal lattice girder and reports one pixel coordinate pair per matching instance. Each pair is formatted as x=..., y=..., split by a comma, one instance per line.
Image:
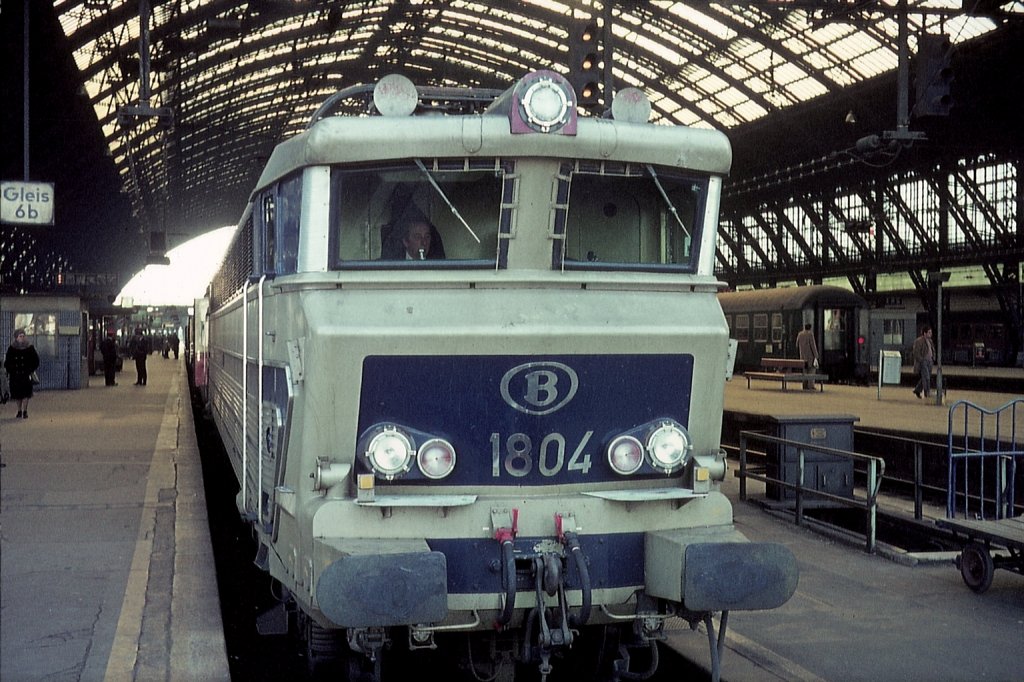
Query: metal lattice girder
x=241, y=76
x=716, y=64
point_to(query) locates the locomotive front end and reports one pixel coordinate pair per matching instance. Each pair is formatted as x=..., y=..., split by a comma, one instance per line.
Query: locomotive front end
x=490, y=363
x=541, y=491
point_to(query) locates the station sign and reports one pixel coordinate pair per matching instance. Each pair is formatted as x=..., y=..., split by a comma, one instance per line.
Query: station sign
x=87, y=279
x=26, y=203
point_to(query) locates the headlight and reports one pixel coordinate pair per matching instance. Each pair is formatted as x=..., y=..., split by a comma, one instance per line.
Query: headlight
x=545, y=105
x=390, y=452
x=540, y=102
x=436, y=458
x=667, y=447
x=625, y=455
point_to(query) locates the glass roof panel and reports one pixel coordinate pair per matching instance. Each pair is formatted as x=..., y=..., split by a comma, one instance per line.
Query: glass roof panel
x=702, y=21
x=708, y=64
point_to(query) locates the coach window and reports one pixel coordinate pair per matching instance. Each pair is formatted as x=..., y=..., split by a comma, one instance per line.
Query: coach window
x=760, y=328
x=622, y=216
x=777, y=331
x=742, y=328
x=892, y=332
x=466, y=204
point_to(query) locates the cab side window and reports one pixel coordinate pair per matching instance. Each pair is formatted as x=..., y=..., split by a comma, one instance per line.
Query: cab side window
x=277, y=214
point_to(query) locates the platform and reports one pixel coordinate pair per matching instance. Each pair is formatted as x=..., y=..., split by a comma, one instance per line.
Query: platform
x=107, y=569
x=858, y=616
x=894, y=408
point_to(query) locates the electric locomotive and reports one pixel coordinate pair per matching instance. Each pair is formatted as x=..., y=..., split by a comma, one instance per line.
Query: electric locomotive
x=466, y=358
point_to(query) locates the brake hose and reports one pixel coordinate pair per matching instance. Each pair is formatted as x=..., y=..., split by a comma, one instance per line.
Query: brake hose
x=573, y=543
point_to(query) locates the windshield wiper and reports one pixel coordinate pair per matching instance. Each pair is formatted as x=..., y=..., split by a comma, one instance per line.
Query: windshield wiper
x=455, y=211
x=668, y=202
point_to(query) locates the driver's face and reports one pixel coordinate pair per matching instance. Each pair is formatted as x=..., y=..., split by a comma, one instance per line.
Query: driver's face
x=417, y=239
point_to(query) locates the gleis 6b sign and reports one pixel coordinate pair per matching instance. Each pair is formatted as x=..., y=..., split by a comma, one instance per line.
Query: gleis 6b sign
x=26, y=203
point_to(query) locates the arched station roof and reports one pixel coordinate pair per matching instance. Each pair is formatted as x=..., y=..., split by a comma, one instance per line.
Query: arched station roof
x=154, y=117
x=232, y=79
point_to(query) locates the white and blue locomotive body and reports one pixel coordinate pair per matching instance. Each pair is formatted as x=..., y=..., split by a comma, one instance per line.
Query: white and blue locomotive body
x=520, y=437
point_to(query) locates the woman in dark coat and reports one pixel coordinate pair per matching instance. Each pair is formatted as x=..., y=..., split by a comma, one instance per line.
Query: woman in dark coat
x=20, y=362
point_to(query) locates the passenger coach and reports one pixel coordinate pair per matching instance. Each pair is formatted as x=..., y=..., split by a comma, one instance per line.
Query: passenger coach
x=765, y=322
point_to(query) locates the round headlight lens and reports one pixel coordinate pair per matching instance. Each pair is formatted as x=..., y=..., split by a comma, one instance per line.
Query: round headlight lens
x=667, y=447
x=390, y=452
x=545, y=104
x=436, y=458
x=625, y=455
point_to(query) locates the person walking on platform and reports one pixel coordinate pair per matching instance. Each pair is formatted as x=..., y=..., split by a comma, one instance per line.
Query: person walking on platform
x=21, y=362
x=140, y=348
x=808, y=353
x=923, y=354
x=108, y=348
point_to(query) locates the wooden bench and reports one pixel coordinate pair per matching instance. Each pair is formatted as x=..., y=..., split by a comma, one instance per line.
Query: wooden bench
x=786, y=370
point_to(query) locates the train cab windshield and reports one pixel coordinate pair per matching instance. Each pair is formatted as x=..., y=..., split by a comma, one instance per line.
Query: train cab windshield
x=464, y=213
x=440, y=213
x=628, y=217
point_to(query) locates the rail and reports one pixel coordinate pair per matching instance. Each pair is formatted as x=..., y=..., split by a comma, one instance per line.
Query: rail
x=919, y=450
x=918, y=447
x=1004, y=462
x=875, y=472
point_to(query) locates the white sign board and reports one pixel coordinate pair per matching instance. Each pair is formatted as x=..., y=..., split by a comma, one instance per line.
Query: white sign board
x=890, y=368
x=26, y=203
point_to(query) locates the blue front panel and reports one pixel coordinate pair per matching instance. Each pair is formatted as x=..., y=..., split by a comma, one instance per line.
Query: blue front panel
x=526, y=420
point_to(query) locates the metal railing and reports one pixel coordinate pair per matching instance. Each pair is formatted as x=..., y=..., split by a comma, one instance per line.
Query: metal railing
x=875, y=471
x=918, y=448
x=1004, y=461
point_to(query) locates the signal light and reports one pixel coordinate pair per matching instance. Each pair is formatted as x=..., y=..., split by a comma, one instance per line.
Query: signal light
x=585, y=72
x=436, y=458
x=934, y=78
x=860, y=340
x=625, y=455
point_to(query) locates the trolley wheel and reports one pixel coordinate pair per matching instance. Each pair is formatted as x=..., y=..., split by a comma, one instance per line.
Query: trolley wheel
x=976, y=567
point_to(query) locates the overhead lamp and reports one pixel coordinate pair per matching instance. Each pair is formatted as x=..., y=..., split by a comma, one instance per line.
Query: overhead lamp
x=543, y=102
x=395, y=95
x=631, y=105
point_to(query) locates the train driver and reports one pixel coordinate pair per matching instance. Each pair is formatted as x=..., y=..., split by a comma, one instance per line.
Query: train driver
x=417, y=240
x=411, y=239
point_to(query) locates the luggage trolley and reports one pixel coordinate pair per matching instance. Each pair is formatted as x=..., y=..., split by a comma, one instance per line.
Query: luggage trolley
x=983, y=475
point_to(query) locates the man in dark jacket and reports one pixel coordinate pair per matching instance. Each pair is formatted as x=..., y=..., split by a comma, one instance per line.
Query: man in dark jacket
x=140, y=349
x=923, y=354
x=108, y=348
x=808, y=353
